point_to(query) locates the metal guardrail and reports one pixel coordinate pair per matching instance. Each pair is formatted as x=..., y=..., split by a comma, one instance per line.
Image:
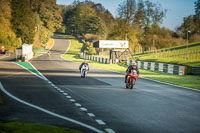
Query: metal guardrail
x=196, y=70
x=152, y=66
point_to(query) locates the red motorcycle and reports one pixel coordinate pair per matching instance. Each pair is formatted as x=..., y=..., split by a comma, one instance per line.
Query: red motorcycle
x=131, y=79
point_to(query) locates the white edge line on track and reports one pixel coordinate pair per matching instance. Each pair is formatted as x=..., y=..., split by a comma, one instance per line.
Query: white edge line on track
x=109, y=130
x=49, y=112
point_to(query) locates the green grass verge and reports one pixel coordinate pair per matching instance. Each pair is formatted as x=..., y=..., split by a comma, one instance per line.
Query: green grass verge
x=43, y=50
x=22, y=127
x=186, y=81
x=177, y=55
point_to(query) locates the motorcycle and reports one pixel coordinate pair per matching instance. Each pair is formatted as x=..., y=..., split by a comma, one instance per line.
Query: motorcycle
x=84, y=70
x=131, y=79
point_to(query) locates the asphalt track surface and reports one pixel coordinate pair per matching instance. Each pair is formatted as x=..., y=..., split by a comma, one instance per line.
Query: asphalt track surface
x=151, y=107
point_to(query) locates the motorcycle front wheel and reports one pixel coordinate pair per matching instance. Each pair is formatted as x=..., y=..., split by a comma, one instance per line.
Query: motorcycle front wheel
x=131, y=84
x=84, y=74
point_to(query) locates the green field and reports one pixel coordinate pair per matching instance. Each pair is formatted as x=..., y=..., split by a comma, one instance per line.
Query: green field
x=22, y=127
x=186, y=81
x=181, y=55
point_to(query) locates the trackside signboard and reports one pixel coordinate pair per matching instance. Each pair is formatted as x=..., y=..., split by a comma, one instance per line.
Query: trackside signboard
x=111, y=44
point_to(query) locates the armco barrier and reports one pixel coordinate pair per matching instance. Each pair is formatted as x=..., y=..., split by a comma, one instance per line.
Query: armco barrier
x=196, y=70
x=94, y=58
x=162, y=67
x=153, y=66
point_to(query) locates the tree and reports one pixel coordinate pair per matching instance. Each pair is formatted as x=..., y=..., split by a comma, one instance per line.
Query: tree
x=94, y=25
x=147, y=14
x=23, y=20
x=197, y=9
x=192, y=24
x=126, y=12
x=7, y=36
x=49, y=18
x=77, y=16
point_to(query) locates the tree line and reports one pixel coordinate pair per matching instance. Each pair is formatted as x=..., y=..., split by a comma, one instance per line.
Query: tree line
x=35, y=21
x=28, y=21
x=139, y=22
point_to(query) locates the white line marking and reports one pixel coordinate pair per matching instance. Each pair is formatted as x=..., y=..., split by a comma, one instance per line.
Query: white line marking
x=109, y=130
x=91, y=114
x=100, y=122
x=61, y=91
x=58, y=89
x=68, y=97
x=65, y=94
x=77, y=104
x=55, y=87
x=72, y=100
x=84, y=109
x=49, y=112
x=52, y=85
x=39, y=72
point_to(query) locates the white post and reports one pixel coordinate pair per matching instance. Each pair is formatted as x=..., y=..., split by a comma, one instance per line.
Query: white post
x=160, y=67
x=152, y=66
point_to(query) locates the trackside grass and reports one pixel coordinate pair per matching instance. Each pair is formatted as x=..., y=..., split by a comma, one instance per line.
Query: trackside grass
x=181, y=55
x=22, y=127
x=186, y=81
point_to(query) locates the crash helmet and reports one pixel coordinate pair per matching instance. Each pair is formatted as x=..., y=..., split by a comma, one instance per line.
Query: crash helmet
x=134, y=64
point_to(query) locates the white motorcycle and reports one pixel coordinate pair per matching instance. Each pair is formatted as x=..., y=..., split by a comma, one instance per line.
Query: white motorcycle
x=84, y=70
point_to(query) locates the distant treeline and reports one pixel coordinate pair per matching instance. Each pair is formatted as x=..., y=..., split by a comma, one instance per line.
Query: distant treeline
x=28, y=21
x=34, y=21
x=137, y=22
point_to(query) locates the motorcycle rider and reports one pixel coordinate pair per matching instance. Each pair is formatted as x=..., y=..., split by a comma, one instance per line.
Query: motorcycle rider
x=131, y=67
x=84, y=63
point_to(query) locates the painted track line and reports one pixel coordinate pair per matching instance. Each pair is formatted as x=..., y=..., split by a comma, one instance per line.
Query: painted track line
x=91, y=114
x=84, y=109
x=109, y=130
x=77, y=104
x=100, y=122
x=50, y=113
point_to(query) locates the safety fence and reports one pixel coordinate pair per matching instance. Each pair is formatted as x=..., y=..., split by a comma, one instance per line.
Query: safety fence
x=161, y=67
x=152, y=66
x=94, y=58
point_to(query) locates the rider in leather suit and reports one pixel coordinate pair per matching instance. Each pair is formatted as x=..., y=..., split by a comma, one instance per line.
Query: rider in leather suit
x=131, y=67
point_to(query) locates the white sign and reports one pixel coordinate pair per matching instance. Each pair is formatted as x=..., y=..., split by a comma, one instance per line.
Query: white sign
x=26, y=49
x=111, y=44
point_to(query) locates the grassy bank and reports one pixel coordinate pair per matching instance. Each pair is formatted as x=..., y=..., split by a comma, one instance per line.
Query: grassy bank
x=22, y=127
x=43, y=50
x=186, y=81
x=182, y=55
